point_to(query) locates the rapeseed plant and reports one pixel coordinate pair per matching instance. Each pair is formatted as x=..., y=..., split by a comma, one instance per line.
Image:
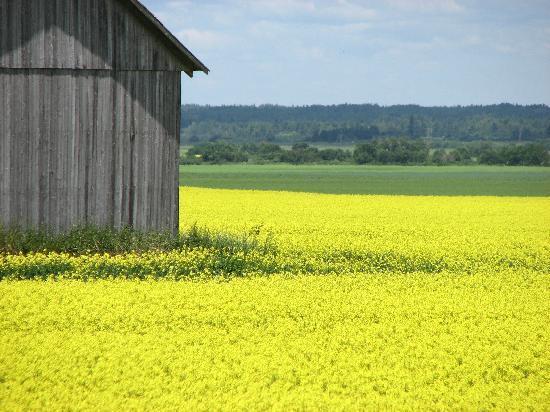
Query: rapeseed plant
x=372, y=302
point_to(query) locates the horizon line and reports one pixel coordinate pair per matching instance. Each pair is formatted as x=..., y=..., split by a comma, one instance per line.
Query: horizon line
x=365, y=104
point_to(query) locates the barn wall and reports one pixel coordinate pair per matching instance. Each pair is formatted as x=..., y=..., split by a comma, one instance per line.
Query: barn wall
x=83, y=34
x=88, y=146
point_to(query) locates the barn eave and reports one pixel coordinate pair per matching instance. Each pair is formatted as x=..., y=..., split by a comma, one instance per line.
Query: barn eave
x=191, y=62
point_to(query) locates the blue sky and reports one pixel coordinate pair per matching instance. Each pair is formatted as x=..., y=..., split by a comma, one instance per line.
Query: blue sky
x=428, y=52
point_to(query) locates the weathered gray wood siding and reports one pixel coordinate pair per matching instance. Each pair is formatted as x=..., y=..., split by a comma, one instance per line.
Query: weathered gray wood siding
x=92, y=147
x=80, y=34
x=89, y=117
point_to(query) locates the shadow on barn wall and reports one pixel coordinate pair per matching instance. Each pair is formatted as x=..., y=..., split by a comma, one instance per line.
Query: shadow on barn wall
x=89, y=102
x=87, y=35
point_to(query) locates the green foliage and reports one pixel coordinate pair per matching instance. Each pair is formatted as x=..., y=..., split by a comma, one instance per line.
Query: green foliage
x=264, y=152
x=215, y=153
x=392, y=151
x=303, y=153
x=532, y=154
x=344, y=133
x=94, y=240
x=220, y=152
x=515, y=155
x=378, y=151
x=358, y=123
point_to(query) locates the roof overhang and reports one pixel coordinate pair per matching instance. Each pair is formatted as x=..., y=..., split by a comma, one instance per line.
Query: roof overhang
x=191, y=62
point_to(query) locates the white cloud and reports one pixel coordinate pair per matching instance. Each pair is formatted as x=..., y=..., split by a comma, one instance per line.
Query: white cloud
x=279, y=7
x=351, y=28
x=450, y=6
x=417, y=48
x=506, y=48
x=203, y=39
x=472, y=40
x=347, y=10
x=269, y=29
x=310, y=53
x=313, y=9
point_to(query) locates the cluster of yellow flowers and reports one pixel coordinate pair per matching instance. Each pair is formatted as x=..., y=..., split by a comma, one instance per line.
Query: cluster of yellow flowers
x=384, y=233
x=195, y=263
x=372, y=302
x=322, y=234
x=342, y=342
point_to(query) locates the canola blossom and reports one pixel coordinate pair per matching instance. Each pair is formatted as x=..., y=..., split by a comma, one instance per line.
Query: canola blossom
x=343, y=342
x=321, y=234
x=384, y=233
x=359, y=302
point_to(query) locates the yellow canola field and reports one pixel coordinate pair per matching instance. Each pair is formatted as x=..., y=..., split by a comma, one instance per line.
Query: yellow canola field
x=372, y=302
x=332, y=342
x=301, y=233
x=400, y=233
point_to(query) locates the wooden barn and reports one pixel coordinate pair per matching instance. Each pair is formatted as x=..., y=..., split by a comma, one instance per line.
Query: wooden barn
x=89, y=115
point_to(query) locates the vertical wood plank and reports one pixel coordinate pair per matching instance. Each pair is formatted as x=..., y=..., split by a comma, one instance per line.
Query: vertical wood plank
x=5, y=143
x=34, y=148
x=177, y=90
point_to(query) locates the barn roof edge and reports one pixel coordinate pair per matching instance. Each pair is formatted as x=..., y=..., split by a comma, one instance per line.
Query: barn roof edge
x=186, y=55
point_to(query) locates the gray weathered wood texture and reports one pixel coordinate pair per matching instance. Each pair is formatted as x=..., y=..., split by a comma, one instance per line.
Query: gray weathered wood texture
x=88, y=34
x=89, y=116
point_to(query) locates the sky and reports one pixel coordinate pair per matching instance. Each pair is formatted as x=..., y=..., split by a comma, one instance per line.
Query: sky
x=302, y=52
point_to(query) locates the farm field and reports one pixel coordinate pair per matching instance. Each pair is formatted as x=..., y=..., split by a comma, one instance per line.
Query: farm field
x=300, y=342
x=382, y=180
x=347, y=302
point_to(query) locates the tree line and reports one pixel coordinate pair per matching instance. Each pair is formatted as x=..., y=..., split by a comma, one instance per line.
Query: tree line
x=377, y=151
x=350, y=124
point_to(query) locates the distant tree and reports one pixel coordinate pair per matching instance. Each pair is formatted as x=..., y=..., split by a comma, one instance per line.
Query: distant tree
x=494, y=130
x=301, y=153
x=392, y=151
x=358, y=123
x=526, y=155
x=365, y=153
x=332, y=155
x=460, y=155
x=516, y=134
x=216, y=153
x=377, y=151
x=489, y=156
x=439, y=157
x=535, y=155
x=300, y=146
x=411, y=129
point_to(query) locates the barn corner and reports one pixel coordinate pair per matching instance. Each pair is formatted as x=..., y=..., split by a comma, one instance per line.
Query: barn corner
x=90, y=97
